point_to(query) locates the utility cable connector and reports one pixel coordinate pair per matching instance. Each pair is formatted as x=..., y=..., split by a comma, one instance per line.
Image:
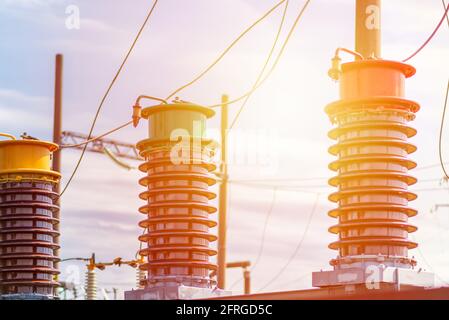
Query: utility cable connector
x=335, y=71
x=137, y=109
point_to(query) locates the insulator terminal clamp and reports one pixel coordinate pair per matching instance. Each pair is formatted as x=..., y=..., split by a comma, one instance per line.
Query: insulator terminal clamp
x=372, y=147
x=28, y=219
x=178, y=165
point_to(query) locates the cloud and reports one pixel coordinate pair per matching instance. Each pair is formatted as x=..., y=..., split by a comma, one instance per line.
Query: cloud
x=29, y=3
x=99, y=210
x=18, y=105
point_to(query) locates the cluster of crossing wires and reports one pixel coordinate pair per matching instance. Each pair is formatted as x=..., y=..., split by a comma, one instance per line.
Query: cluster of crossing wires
x=263, y=75
x=196, y=79
x=103, y=99
x=301, y=188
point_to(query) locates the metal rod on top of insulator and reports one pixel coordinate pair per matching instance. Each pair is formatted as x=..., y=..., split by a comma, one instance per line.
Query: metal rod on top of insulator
x=368, y=28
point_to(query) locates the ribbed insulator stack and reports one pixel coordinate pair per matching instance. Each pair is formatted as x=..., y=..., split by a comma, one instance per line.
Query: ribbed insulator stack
x=28, y=216
x=91, y=285
x=178, y=168
x=372, y=147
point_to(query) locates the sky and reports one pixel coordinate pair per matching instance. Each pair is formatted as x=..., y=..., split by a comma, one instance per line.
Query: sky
x=281, y=134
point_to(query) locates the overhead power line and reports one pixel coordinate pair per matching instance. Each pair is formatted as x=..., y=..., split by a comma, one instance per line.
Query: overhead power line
x=298, y=246
x=431, y=36
x=279, y=180
x=440, y=140
x=100, y=106
x=228, y=48
x=278, y=58
x=77, y=145
x=267, y=61
x=447, y=16
x=427, y=262
x=262, y=241
x=299, y=189
x=297, y=279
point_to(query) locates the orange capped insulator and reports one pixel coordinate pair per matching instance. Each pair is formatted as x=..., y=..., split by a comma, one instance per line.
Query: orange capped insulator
x=28, y=219
x=178, y=166
x=372, y=147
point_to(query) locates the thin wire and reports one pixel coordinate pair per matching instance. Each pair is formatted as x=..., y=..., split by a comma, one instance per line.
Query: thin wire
x=447, y=16
x=430, y=189
x=440, y=140
x=298, y=247
x=431, y=36
x=304, y=188
x=286, y=283
x=106, y=95
x=278, y=58
x=427, y=263
x=267, y=61
x=279, y=187
x=216, y=61
x=96, y=138
x=430, y=166
x=262, y=241
x=278, y=180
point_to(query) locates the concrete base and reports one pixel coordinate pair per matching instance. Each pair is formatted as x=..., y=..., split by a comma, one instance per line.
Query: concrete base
x=174, y=293
x=372, y=276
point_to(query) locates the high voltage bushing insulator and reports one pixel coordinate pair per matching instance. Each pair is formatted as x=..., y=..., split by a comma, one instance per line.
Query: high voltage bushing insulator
x=178, y=166
x=27, y=219
x=372, y=147
x=91, y=284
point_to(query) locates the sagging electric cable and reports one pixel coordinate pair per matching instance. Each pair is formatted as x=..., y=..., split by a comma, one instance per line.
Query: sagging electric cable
x=262, y=241
x=440, y=140
x=428, y=264
x=267, y=61
x=447, y=15
x=298, y=246
x=100, y=106
x=276, y=62
x=286, y=283
x=431, y=36
x=97, y=138
x=228, y=48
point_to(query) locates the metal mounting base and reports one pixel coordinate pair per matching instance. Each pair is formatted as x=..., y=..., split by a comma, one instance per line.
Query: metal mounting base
x=175, y=293
x=372, y=276
x=26, y=296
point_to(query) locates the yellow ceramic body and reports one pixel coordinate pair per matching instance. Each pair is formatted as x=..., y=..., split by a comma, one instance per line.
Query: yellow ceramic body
x=164, y=120
x=27, y=156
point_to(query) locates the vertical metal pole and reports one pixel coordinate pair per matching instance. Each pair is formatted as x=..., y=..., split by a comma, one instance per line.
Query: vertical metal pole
x=57, y=133
x=57, y=120
x=222, y=206
x=368, y=28
x=247, y=281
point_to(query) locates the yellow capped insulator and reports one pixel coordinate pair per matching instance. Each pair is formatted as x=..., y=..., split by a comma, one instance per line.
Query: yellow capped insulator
x=178, y=168
x=28, y=219
x=372, y=148
x=27, y=156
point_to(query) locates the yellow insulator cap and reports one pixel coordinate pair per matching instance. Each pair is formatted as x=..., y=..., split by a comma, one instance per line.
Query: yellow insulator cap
x=26, y=155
